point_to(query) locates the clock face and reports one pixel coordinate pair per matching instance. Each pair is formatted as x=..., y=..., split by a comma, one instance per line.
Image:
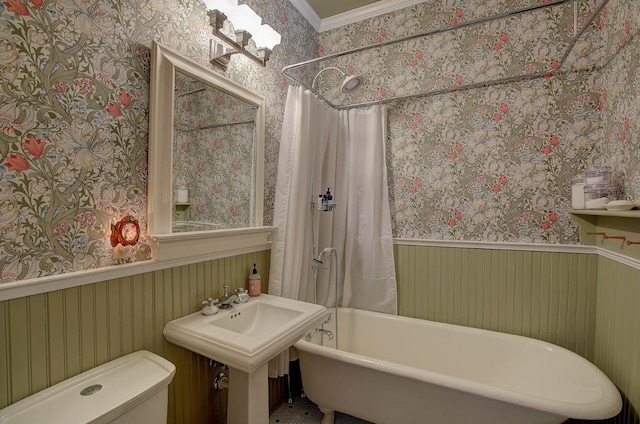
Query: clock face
x=125, y=232
x=129, y=232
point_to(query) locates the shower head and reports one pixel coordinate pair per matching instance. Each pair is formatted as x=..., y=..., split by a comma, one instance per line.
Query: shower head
x=326, y=251
x=350, y=83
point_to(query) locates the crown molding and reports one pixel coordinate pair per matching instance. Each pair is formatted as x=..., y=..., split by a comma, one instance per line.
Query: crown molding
x=308, y=13
x=365, y=12
x=356, y=15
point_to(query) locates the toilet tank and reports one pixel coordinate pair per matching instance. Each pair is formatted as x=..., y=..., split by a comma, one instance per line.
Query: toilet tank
x=127, y=390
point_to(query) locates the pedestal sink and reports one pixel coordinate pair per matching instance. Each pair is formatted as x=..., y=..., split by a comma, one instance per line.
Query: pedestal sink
x=246, y=337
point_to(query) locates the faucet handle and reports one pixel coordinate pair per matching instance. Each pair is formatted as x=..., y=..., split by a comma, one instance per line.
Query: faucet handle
x=210, y=301
x=209, y=307
x=240, y=290
x=226, y=290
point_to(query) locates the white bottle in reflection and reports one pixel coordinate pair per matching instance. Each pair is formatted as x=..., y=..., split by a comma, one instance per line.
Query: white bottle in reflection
x=181, y=194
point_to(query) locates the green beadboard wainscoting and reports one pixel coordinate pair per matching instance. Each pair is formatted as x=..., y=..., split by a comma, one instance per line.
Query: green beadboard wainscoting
x=617, y=332
x=582, y=301
x=47, y=338
x=545, y=295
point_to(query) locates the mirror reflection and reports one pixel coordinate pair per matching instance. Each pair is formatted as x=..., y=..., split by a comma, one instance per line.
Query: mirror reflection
x=214, y=158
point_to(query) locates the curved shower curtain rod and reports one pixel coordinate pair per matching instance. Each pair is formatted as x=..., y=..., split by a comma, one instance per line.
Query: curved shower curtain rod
x=498, y=81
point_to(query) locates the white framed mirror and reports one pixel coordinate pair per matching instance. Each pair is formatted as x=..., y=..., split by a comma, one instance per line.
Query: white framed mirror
x=206, y=162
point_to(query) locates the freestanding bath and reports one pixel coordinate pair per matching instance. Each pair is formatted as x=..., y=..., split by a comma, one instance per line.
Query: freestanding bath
x=392, y=369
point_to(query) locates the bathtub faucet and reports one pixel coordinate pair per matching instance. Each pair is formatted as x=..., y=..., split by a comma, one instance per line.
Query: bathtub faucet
x=323, y=331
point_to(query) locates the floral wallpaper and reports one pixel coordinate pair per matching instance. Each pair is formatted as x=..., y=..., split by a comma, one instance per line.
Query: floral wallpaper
x=74, y=139
x=487, y=163
x=74, y=104
x=214, y=155
x=522, y=44
x=492, y=163
x=620, y=99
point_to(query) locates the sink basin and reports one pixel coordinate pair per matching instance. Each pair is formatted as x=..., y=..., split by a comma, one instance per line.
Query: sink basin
x=258, y=320
x=247, y=335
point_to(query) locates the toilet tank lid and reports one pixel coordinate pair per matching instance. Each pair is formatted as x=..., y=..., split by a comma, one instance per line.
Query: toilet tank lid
x=97, y=395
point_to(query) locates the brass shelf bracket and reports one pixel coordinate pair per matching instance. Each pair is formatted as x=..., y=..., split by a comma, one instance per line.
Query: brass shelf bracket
x=605, y=236
x=615, y=237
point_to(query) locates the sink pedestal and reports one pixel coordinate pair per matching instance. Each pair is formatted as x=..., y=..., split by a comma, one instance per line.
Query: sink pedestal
x=244, y=337
x=248, y=396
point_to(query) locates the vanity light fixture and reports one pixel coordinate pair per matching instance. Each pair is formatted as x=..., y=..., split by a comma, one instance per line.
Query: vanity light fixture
x=247, y=25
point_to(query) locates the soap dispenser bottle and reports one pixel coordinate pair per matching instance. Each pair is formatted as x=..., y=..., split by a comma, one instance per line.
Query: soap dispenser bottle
x=328, y=200
x=254, y=285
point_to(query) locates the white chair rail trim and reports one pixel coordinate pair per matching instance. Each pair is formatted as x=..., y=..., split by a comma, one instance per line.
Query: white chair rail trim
x=531, y=247
x=50, y=283
x=74, y=279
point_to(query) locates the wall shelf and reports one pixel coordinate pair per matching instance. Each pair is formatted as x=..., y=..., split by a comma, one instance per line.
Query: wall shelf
x=634, y=213
x=617, y=231
x=182, y=211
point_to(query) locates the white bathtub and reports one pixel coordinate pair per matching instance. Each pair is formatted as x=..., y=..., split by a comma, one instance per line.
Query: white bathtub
x=399, y=370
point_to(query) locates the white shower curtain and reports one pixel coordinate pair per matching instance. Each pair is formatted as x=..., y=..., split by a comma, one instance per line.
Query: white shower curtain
x=321, y=147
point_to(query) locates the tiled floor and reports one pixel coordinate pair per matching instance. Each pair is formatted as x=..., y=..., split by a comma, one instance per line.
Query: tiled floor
x=303, y=411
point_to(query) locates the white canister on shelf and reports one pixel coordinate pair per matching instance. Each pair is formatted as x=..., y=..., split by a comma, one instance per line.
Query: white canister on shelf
x=596, y=196
x=577, y=192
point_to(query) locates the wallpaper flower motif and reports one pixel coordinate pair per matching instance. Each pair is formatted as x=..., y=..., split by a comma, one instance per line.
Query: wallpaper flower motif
x=482, y=164
x=491, y=166
x=73, y=128
x=218, y=170
x=214, y=154
x=74, y=119
x=488, y=163
x=619, y=106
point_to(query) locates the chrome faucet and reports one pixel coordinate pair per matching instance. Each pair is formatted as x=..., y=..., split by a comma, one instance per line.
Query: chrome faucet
x=224, y=300
x=239, y=295
x=323, y=332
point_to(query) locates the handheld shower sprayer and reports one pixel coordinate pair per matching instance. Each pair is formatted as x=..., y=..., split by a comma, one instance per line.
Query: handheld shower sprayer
x=320, y=258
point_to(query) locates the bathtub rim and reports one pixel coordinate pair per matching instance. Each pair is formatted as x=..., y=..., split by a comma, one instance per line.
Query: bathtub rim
x=608, y=405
